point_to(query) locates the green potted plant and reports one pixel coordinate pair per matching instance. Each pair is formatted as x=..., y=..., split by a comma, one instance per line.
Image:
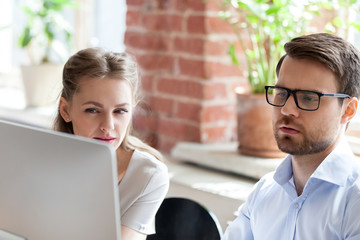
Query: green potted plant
x=262, y=27
x=47, y=38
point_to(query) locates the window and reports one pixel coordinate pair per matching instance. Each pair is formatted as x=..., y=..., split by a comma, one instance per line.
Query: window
x=98, y=23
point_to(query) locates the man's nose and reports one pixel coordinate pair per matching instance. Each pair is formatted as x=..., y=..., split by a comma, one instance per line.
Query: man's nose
x=290, y=108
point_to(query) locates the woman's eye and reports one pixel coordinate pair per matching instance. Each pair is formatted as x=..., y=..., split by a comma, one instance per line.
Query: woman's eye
x=121, y=111
x=90, y=110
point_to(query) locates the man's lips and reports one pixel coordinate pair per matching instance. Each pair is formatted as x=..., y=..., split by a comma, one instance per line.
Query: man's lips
x=105, y=139
x=288, y=130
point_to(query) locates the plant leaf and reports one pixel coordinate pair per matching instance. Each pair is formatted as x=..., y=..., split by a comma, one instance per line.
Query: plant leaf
x=232, y=53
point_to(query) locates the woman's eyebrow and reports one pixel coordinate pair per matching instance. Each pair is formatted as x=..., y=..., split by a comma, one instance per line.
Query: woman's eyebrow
x=125, y=104
x=93, y=103
x=122, y=105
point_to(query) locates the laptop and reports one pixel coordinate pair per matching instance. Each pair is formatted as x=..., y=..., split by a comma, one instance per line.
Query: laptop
x=56, y=186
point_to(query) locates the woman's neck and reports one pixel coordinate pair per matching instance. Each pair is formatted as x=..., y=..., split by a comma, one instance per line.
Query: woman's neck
x=123, y=158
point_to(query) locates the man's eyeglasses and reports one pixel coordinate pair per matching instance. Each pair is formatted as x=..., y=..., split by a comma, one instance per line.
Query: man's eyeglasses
x=304, y=99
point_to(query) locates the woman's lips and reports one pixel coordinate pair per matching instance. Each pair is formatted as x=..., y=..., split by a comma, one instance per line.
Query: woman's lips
x=288, y=130
x=105, y=139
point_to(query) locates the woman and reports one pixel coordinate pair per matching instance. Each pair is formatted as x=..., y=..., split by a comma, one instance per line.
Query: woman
x=100, y=92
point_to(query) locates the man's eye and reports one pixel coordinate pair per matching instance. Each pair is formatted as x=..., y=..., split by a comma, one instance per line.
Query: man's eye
x=90, y=110
x=281, y=94
x=308, y=98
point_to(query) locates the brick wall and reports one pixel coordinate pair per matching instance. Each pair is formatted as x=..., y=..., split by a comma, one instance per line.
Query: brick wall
x=188, y=79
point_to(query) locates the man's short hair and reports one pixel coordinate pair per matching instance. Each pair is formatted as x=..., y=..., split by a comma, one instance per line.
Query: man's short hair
x=335, y=53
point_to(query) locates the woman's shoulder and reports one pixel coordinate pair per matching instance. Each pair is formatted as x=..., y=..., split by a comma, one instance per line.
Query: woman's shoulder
x=154, y=172
x=145, y=159
x=144, y=169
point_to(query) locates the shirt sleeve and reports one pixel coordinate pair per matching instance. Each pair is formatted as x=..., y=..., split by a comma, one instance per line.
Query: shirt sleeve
x=240, y=228
x=141, y=215
x=351, y=222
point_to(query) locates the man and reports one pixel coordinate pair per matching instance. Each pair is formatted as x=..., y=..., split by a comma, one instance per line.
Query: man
x=315, y=191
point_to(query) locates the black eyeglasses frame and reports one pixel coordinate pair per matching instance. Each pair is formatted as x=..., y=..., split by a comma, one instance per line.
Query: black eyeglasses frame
x=293, y=92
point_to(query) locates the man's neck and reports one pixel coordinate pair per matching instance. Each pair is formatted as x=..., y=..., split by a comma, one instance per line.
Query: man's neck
x=305, y=165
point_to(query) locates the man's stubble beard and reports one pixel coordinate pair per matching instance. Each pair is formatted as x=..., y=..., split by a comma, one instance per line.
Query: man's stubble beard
x=307, y=145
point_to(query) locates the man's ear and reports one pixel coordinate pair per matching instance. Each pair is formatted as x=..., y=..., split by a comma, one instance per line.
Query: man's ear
x=64, y=109
x=350, y=110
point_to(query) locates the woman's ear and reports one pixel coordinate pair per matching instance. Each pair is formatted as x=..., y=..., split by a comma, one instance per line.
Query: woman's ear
x=350, y=110
x=64, y=109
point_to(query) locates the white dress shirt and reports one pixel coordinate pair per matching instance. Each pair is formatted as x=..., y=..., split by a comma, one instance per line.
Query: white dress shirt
x=328, y=208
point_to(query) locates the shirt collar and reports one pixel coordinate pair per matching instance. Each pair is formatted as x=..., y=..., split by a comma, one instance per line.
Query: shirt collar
x=335, y=168
x=284, y=171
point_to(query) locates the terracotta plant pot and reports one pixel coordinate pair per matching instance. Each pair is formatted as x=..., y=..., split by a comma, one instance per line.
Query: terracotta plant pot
x=255, y=132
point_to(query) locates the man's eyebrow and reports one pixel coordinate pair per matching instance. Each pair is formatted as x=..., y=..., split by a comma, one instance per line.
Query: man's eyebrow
x=297, y=89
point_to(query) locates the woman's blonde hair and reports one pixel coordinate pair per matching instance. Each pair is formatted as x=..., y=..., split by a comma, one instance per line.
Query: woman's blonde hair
x=98, y=63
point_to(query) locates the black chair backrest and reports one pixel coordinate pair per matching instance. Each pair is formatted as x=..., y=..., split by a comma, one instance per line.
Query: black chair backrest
x=185, y=219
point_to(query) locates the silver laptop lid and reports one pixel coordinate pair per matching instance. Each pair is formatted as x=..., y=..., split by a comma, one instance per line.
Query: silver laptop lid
x=56, y=186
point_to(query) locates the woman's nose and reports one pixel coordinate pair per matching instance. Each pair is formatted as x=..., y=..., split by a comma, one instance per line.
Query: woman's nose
x=107, y=123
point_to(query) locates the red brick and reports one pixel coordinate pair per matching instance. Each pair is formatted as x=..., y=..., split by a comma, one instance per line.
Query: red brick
x=196, y=5
x=218, y=113
x=180, y=88
x=189, y=45
x=181, y=5
x=213, y=134
x=216, y=47
x=143, y=121
x=146, y=40
x=194, y=68
x=215, y=91
x=196, y=24
x=217, y=25
x=162, y=22
x=147, y=83
x=208, y=69
x=162, y=52
x=178, y=130
x=217, y=69
x=165, y=145
x=214, y=6
x=155, y=62
x=201, y=46
x=135, y=2
x=166, y=4
x=147, y=137
x=132, y=18
x=189, y=111
x=162, y=105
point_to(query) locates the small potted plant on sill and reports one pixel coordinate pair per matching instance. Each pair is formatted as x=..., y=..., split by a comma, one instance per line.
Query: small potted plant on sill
x=47, y=38
x=262, y=27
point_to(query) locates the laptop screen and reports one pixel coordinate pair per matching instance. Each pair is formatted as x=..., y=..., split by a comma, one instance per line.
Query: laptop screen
x=57, y=186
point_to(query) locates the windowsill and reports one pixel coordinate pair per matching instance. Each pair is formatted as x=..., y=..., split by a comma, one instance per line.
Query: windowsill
x=13, y=103
x=224, y=157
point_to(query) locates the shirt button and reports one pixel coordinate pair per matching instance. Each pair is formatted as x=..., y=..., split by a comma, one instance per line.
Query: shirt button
x=296, y=205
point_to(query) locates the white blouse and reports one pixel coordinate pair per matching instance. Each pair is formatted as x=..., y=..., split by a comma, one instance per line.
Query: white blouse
x=142, y=190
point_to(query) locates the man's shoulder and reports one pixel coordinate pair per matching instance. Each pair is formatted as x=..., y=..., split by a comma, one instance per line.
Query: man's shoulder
x=265, y=182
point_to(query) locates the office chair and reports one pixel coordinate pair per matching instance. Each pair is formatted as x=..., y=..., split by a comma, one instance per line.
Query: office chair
x=185, y=219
